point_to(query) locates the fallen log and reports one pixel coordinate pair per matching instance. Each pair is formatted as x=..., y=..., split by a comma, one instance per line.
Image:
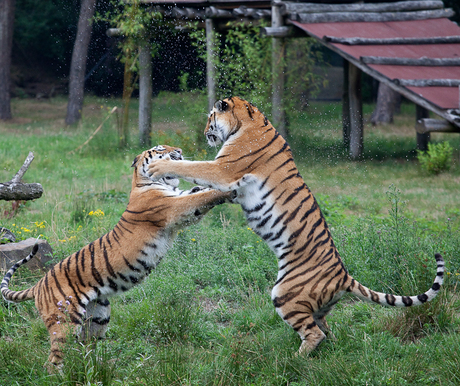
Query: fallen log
x=16, y=190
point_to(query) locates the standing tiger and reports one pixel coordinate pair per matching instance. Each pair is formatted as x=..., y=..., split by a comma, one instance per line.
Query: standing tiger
x=74, y=292
x=257, y=162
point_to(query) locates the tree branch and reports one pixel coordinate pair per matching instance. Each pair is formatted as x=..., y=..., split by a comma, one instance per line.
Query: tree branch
x=15, y=190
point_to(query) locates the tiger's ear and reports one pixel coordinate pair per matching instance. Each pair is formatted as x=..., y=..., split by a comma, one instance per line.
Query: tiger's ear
x=221, y=106
x=135, y=161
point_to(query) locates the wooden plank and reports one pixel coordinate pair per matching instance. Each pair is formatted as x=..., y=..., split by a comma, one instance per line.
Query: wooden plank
x=332, y=17
x=288, y=7
x=423, y=61
x=393, y=41
x=356, y=112
x=427, y=82
x=427, y=125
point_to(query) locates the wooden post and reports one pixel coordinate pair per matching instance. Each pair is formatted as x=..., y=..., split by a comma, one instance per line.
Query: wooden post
x=278, y=117
x=345, y=107
x=422, y=139
x=145, y=94
x=356, y=111
x=210, y=65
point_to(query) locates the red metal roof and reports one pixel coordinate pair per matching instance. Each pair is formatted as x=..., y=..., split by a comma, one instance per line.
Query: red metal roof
x=443, y=97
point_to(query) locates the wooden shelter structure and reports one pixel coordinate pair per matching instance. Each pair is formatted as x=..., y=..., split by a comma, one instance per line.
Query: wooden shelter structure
x=411, y=46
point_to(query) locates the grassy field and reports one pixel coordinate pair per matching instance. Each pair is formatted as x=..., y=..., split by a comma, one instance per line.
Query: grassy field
x=205, y=317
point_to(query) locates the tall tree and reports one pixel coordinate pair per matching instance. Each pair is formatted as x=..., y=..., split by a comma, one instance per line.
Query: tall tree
x=6, y=42
x=78, y=65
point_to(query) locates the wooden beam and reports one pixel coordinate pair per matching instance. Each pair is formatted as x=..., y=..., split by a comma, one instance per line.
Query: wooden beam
x=282, y=32
x=356, y=112
x=211, y=57
x=427, y=125
x=346, y=106
x=427, y=82
x=113, y=32
x=333, y=17
x=255, y=13
x=187, y=13
x=422, y=113
x=424, y=61
x=392, y=41
x=278, y=116
x=145, y=94
x=216, y=13
x=288, y=7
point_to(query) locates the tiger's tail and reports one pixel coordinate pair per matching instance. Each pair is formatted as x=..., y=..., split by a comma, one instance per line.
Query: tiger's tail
x=383, y=299
x=17, y=296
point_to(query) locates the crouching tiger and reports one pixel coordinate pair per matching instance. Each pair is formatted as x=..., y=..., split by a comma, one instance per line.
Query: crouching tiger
x=73, y=294
x=257, y=162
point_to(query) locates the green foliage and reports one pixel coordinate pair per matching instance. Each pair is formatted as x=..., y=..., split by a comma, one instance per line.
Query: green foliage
x=437, y=159
x=135, y=25
x=244, y=65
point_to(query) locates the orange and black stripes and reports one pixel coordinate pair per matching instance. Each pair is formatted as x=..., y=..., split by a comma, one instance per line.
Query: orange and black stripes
x=73, y=294
x=258, y=163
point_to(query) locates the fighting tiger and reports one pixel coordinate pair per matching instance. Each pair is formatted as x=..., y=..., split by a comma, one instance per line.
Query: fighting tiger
x=257, y=163
x=73, y=296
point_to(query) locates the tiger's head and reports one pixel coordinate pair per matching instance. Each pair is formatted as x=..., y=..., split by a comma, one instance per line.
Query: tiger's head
x=228, y=117
x=142, y=161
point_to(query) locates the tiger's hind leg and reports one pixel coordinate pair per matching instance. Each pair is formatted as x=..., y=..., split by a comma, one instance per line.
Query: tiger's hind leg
x=96, y=320
x=311, y=335
x=320, y=315
x=60, y=330
x=324, y=327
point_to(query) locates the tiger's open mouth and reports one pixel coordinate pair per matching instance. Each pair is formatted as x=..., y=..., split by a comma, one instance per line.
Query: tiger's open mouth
x=212, y=139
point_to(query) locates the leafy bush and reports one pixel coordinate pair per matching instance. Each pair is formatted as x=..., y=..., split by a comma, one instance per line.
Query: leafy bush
x=244, y=66
x=437, y=158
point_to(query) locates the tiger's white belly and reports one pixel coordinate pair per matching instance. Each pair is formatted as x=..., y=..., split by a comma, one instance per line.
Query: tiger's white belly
x=263, y=217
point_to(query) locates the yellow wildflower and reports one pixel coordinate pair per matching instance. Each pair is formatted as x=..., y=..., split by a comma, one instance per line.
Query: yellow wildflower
x=97, y=213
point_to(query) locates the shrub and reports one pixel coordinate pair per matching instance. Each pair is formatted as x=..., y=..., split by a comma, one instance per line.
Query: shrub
x=437, y=159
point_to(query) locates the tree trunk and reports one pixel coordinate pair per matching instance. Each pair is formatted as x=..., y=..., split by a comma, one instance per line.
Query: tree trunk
x=6, y=41
x=78, y=65
x=388, y=102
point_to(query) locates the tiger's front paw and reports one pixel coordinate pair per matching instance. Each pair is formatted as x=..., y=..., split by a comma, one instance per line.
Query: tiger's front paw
x=159, y=169
x=247, y=179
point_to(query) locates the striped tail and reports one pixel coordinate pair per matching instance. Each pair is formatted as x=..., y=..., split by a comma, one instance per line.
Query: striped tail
x=383, y=299
x=17, y=296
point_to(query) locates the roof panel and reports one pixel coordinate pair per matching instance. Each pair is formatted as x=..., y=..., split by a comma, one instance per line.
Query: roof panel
x=443, y=97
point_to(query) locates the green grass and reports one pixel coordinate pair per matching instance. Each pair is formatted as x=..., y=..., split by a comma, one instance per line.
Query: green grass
x=205, y=317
